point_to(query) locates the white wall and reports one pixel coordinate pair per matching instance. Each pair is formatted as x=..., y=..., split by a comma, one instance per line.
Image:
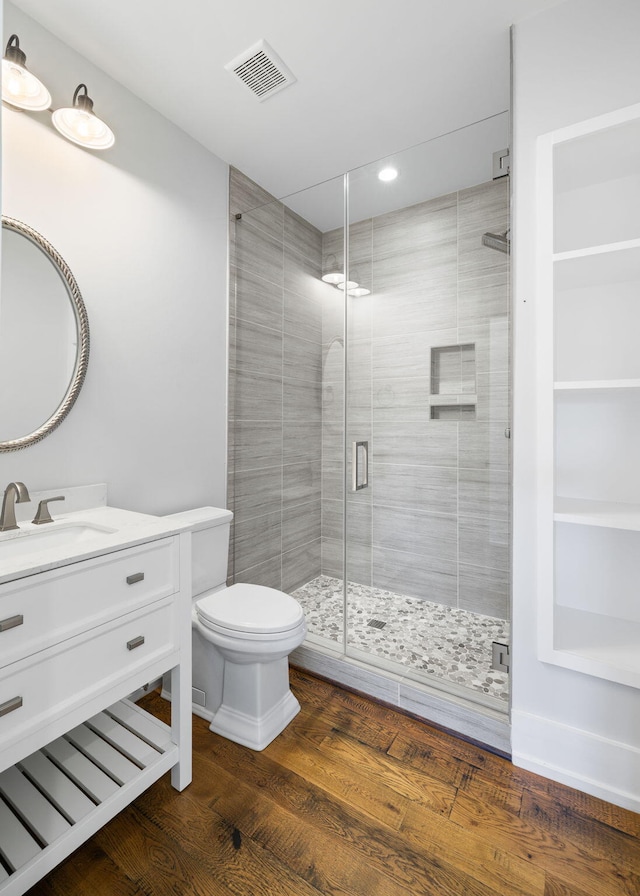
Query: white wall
x=144, y=229
x=575, y=61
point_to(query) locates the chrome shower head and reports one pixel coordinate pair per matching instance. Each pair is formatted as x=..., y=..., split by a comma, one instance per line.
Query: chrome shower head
x=499, y=241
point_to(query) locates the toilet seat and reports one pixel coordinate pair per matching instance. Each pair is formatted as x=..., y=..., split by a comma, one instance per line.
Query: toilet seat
x=252, y=611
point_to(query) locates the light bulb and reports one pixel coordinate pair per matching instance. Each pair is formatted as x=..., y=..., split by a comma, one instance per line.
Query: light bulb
x=15, y=80
x=387, y=174
x=19, y=87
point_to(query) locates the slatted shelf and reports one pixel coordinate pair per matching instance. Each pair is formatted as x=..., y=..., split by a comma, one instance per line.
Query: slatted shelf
x=84, y=773
x=68, y=799
x=54, y=799
x=106, y=757
x=34, y=809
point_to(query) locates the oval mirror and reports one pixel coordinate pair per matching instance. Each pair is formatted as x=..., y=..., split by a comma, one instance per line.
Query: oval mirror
x=44, y=337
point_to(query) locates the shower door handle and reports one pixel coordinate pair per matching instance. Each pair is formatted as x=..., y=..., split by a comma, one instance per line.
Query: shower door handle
x=359, y=465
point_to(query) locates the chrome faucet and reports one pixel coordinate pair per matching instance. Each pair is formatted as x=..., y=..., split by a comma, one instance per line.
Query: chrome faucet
x=14, y=493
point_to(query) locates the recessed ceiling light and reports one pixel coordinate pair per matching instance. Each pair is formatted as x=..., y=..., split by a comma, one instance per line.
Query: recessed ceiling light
x=387, y=174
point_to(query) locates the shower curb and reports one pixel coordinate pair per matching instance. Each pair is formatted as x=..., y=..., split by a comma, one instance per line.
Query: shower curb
x=486, y=727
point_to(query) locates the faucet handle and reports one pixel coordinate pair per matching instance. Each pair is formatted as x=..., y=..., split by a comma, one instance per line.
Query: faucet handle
x=43, y=515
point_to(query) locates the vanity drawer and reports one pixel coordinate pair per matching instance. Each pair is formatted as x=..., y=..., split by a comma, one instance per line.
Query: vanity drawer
x=43, y=687
x=44, y=609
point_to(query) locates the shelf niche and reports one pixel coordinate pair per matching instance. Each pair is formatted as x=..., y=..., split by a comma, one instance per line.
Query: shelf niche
x=453, y=382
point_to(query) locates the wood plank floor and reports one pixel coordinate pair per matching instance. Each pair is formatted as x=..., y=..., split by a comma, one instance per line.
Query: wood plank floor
x=355, y=798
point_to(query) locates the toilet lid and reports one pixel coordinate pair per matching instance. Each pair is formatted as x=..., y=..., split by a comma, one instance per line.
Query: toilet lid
x=250, y=608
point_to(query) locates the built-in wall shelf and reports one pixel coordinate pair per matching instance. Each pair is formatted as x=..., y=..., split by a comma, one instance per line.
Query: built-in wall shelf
x=459, y=398
x=600, y=254
x=600, y=265
x=596, y=644
x=608, y=514
x=596, y=385
x=588, y=320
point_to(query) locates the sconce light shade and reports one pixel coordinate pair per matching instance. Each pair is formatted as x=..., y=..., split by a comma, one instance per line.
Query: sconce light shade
x=81, y=125
x=19, y=87
x=333, y=277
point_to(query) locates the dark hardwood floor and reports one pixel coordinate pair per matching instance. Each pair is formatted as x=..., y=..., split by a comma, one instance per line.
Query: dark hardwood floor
x=355, y=798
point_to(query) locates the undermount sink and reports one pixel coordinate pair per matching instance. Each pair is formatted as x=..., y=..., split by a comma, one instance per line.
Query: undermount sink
x=28, y=540
x=85, y=531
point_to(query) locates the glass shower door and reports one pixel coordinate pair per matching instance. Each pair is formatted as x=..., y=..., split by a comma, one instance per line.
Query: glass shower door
x=427, y=459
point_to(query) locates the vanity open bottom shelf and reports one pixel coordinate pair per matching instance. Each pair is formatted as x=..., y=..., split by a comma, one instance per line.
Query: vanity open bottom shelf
x=54, y=799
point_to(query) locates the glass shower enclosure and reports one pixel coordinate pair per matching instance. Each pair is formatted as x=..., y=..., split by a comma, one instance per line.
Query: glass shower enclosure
x=369, y=460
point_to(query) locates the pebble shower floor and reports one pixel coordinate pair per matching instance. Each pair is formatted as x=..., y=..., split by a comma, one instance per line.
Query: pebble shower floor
x=448, y=643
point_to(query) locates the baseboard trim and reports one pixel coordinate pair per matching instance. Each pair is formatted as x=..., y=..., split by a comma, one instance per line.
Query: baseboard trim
x=588, y=762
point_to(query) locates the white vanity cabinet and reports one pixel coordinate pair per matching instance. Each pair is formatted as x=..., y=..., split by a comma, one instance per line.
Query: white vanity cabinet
x=588, y=315
x=75, y=640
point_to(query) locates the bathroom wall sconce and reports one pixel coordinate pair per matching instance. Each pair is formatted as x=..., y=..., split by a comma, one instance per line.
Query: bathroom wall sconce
x=20, y=87
x=77, y=123
x=81, y=125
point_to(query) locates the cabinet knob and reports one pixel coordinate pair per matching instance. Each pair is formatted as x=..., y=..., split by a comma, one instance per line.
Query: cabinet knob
x=136, y=577
x=9, y=705
x=11, y=622
x=135, y=642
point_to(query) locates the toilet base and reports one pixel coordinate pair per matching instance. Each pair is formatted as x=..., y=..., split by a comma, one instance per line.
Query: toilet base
x=255, y=732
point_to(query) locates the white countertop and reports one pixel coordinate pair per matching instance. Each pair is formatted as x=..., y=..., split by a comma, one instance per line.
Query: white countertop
x=130, y=529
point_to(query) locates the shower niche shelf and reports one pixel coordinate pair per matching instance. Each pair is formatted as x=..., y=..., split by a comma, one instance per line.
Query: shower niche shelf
x=453, y=382
x=589, y=397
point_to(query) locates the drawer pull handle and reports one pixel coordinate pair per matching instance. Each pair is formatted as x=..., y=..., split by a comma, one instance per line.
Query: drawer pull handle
x=136, y=577
x=11, y=622
x=10, y=705
x=135, y=642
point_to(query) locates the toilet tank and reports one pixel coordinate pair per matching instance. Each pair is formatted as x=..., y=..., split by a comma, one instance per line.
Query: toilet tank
x=210, y=527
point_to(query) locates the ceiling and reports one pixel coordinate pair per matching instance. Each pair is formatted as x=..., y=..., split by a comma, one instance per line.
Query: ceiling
x=373, y=77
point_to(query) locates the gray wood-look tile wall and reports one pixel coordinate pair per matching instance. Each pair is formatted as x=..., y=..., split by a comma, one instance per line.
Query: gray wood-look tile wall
x=275, y=414
x=435, y=520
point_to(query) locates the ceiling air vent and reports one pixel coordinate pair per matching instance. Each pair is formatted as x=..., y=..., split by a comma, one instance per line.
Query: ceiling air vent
x=261, y=70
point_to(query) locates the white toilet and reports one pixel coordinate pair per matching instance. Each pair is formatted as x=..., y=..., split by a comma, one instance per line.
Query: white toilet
x=242, y=638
